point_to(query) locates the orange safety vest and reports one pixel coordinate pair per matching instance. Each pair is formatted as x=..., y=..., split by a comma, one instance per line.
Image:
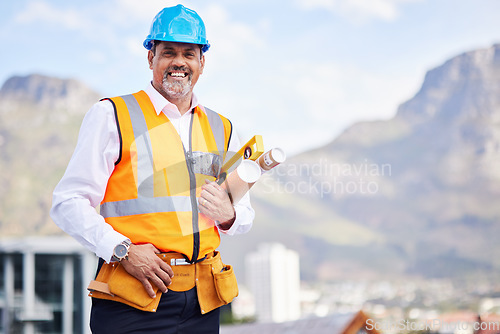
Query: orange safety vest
x=152, y=194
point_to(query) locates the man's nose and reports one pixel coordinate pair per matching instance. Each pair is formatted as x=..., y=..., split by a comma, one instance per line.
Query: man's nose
x=179, y=60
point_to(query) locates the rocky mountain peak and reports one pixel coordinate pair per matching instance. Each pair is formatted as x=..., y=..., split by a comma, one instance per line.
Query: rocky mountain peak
x=471, y=80
x=457, y=99
x=44, y=91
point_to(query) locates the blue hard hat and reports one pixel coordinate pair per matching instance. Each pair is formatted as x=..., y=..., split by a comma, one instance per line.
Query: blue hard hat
x=177, y=24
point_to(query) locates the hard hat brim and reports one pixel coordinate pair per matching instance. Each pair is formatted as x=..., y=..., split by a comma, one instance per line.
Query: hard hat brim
x=148, y=43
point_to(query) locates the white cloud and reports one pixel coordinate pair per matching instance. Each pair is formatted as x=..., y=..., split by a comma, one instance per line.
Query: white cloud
x=143, y=12
x=325, y=98
x=40, y=11
x=358, y=11
x=96, y=57
x=86, y=20
x=234, y=44
x=231, y=39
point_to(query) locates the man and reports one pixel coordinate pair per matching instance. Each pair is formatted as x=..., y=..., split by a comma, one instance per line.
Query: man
x=150, y=160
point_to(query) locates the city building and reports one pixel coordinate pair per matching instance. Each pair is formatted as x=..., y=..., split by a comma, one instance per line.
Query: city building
x=43, y=285
x=273, y=277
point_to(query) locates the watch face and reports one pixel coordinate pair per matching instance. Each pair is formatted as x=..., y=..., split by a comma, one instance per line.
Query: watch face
x=120, y=251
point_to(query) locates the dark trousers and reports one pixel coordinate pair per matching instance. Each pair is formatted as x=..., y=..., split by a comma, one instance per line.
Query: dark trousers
x=178, y=313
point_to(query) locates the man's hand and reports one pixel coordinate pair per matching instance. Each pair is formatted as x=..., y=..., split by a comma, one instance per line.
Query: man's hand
x=147, y=267
x=214, y=203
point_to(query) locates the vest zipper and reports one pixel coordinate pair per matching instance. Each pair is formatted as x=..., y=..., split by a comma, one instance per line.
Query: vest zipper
x=192, y=192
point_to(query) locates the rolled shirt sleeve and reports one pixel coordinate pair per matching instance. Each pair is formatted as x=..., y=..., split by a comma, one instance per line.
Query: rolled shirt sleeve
x=83, y=185
x=245, y=214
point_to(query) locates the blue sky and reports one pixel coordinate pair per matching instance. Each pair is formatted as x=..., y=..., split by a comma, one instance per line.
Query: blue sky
x=297, y=72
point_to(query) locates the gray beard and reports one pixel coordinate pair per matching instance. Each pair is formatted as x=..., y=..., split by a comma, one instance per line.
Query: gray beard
x=176, y=90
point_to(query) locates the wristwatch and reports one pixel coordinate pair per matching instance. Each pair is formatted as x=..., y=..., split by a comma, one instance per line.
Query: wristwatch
x=120, y=252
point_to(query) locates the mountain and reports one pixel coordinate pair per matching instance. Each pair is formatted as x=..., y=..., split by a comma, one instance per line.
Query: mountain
x=39, y=121
x=415, y=195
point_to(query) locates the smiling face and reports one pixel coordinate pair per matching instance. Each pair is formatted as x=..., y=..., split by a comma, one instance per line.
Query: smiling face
x=176, y=69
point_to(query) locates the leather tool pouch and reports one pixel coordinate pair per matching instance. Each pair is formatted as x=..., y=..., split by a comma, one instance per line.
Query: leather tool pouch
x=114, y=283
x=216, y=283
x=226, y=285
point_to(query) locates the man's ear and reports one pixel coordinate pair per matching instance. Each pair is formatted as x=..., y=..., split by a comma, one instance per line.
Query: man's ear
x=150, y=59
x=202, y=61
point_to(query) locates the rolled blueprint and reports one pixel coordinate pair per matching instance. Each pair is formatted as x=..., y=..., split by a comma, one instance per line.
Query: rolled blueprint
x=239, y=181
x=271, y=159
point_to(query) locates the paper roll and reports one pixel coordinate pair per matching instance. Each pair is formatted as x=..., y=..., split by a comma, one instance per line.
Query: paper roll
x=239, y=181
x=271, y=159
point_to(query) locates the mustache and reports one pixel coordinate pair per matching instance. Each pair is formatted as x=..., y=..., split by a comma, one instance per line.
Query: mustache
x=177, y=68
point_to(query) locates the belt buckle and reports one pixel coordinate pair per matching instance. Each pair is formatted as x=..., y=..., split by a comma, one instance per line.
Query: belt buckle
x=179, y=262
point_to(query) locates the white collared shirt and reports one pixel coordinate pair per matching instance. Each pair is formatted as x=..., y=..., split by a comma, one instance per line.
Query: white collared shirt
x=83, y=185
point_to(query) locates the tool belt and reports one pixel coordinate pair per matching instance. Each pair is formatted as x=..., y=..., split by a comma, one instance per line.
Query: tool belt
x=215, y=283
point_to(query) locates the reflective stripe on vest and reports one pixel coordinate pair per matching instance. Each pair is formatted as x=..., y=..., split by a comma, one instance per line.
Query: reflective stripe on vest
x=167, y=177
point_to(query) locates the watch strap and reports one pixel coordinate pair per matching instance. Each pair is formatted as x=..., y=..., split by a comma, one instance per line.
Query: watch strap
x=125, y=243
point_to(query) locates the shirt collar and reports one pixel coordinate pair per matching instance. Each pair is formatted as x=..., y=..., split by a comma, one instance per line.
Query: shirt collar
x=161, y=104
